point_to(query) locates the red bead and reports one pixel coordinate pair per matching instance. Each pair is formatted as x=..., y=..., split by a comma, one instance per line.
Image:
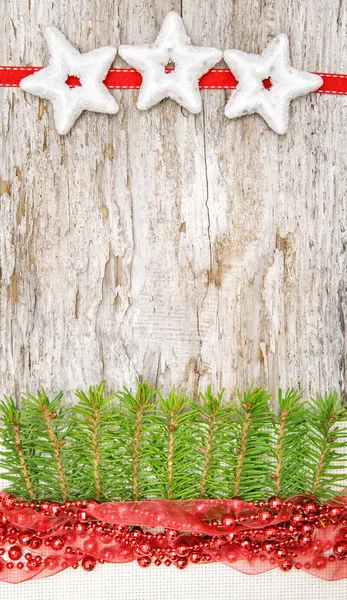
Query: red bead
x=125, y=553
x=343, y=534
x=80, y=528
x=286, y=565
x=92, y=504
x=335, y=513
x=55, y=509
x=269, y=547
x=91, y=546
x=181, y=563
x=340, y=549
x=57, y=543
x=20, y=565
x=32, y=505
x=280, y=553
x=182, y=550
x=108, y=554
x=145, y=549
x=195, y=557
x=172, y=554
x=157, y=562
x=10, y=565
x=15, y=553
x=228, y=522
x=160, y=540
x=144, y=561
x=78, y=503
x=8, y=501
x=215, y=523
x=231, y=556
x=264, y=516
x=307, y=528
x=171, y=535
x=320, y=562
x=82, y=516
x=88, y=563
x=305, y=541
x=270, y=532
x=275, y=503
x=44, y=506
x=246, y=544
x=297, y=519
x=167, y=563
x=35, y=543
x=310, y=508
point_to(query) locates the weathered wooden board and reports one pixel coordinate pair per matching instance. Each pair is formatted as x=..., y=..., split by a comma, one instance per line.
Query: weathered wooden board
x=180, y=248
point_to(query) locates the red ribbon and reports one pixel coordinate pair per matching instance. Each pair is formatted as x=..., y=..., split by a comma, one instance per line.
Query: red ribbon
x=127, y=79
x=101, y=543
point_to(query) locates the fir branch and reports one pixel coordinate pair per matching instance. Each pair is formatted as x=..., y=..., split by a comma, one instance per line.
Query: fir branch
x=90, y=449
x=291, y=443
x=14, y=461
x=325, y=458
x=44, y=425
x=136, y=413
x=255, y=438
x=143, y=446
x=178, y=443
x=217, y=445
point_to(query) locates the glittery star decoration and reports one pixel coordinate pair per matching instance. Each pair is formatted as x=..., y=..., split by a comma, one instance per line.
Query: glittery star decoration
x=91, y=68
x=284, y=83
x=171, y=47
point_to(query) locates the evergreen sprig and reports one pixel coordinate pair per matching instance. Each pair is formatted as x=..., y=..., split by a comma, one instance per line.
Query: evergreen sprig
x=90, y=450
x=44, y=427
x=254, y=449
x=291, y=441
x=216, y=456
x=326, y=450
x=143, y=445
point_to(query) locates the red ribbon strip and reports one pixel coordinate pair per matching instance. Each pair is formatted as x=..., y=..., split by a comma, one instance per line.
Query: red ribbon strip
x=128, y=79
x=41, y=541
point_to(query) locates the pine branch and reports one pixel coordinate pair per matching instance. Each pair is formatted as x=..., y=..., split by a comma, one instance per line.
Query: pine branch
x=139, y=423
x=90, y=449
x=44, y=426
x=216, y=460
x=143, y=446
x=178, y=442
x=291, y=444
x=328, y=437
x=255, y=437
x=13, y=457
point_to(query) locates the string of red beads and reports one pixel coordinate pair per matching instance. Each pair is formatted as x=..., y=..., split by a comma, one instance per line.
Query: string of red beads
x=78, y=540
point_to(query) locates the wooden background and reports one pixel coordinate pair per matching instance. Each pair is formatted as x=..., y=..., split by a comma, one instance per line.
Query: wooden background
x=179, y=248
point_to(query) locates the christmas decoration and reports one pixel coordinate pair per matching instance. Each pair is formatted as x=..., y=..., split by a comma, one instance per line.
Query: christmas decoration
x=89, y=482
x=170, y=67
x=285, y=83
x=189, y=63
x=50, y=83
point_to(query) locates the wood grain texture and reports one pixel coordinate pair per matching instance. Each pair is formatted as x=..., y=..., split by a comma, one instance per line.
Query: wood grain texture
x=183, y=249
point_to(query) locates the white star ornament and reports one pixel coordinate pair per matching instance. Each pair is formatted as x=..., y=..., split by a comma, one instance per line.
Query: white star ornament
x=172, y=46
x=91, y=68
x=287, y=83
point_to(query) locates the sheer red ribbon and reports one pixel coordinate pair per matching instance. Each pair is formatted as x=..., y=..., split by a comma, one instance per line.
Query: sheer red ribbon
x=333, y=83
x=39, y=542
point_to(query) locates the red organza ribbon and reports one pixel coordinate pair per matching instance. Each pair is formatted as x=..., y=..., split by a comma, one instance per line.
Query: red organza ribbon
x=60, y=536
x=223, y=79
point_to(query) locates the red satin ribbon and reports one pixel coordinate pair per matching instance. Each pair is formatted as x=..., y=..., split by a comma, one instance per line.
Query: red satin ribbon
x=127, y=79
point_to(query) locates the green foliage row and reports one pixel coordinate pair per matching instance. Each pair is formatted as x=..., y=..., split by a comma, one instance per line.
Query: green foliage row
x=142, y=445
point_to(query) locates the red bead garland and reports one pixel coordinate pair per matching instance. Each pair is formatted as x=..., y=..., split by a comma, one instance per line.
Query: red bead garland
x=281, y=533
